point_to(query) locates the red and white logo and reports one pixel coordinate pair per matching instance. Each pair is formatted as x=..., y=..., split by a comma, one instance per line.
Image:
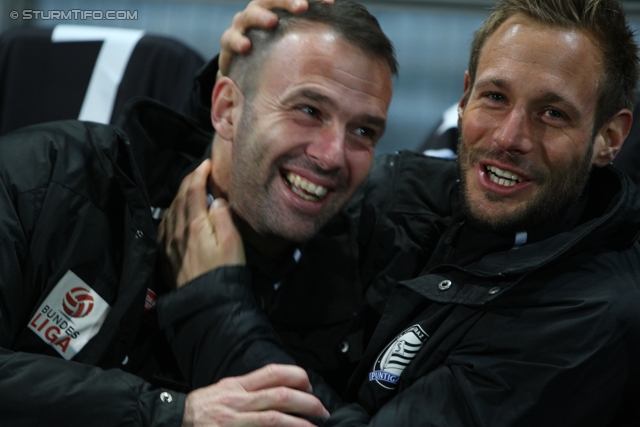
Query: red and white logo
x=150, y=301
x=78, y=302
x=69, y=316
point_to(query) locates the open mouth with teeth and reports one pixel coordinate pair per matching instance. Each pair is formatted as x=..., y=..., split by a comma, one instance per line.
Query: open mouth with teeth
x=502, y=177
x=305, y=189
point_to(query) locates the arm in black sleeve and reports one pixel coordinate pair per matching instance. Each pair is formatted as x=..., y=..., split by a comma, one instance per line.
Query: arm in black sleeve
x=216, y=330
x=431, y=401
x=39, y=390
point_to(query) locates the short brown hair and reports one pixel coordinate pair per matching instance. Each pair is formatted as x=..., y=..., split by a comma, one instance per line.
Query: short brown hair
x=604, y=20
x=348, y=19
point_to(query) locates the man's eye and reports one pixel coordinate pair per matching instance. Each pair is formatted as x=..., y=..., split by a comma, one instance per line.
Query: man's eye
x=365, y=132
x=496, y=97
x=310, y=110
x=553, y=113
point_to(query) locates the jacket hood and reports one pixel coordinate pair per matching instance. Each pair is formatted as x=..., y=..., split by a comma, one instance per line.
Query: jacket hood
x=166, y=146
x=199, y=103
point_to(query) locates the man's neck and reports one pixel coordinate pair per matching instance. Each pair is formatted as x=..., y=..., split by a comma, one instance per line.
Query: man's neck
x=270, y=247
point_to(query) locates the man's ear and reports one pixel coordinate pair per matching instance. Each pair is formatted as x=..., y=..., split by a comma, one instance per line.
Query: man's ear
x=226, y=98
x=609, y=140
x=465, y=95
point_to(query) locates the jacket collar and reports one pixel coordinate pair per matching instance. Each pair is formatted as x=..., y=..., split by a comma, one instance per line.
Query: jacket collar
x=166, y=145
x=610, y=221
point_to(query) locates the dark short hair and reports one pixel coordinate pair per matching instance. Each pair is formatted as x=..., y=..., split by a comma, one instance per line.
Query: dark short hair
x=603, y=20
x=348, y=19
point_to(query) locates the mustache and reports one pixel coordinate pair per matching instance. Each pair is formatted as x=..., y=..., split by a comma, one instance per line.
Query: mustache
x=337, y=176
x=304, y=162
x=525, y=166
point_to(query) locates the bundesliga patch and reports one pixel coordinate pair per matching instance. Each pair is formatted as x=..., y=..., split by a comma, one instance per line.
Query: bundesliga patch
x=149, y=301
x=70, y=316
x=393, y=360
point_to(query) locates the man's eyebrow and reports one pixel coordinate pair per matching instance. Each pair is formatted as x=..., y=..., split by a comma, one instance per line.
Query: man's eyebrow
x=312, y=95
x=492, y=81
x=375, y=121
x=555, y=98
x=320, y=98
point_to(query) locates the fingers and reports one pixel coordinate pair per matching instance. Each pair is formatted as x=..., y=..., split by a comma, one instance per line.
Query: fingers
x=274, y=376
x=197, y=239
x=229, y=403
x=186, y=220
x=285, y=399
x=277, y=397
x=188, y=203
x=196, y=191
x=161, y=231
x=227, y=234
x=233, y=39
x=256, y=14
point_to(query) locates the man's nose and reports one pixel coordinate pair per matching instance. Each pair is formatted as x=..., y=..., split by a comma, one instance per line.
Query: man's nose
x=328, y=148
x=514, y=132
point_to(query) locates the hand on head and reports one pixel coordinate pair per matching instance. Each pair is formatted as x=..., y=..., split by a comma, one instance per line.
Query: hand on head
x=195, y=238
x=264, y=397
x=256, y=14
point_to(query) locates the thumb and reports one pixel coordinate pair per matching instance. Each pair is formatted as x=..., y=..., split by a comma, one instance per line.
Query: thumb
x=226, y=232
x=219, y=203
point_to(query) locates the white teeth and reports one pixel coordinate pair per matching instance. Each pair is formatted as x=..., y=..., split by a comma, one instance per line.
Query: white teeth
x=303, y=194
x=297, y=181
x=504, y=174
x=502, y=177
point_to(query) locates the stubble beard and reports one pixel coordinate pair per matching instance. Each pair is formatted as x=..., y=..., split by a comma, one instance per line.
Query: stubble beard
x=250, y=198
x=558, y=193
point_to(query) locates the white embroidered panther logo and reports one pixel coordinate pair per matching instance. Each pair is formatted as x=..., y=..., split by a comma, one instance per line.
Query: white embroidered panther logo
x=393, y=360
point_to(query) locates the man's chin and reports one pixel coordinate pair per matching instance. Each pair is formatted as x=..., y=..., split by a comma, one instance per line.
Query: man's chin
x=501, y=225
x=523, y=218
x=500, y=218
x=302, y=232
x=291, y=231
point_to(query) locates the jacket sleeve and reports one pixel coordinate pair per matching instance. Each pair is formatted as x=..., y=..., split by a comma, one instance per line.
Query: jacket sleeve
x=36, y=389
x=216, y=330
x=40, y=390
x=430, y=401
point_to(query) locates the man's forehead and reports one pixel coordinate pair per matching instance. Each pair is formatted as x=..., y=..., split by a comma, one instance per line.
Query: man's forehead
x=316, y=52
x=519, y=22
x=535, y=44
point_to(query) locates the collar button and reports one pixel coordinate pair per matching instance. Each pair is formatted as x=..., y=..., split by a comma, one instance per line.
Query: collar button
x=444, y=285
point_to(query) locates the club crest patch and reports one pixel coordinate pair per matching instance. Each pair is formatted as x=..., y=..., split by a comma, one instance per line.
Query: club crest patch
x=70, y=316
x=393, y=360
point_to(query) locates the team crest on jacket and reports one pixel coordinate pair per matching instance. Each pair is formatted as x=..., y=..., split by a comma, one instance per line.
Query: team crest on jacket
x=70, y=316
x=396, y=357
